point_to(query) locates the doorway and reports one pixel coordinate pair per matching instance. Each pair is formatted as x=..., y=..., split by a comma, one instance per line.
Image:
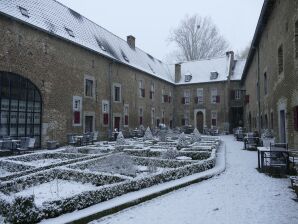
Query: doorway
x=200, y=121
x=282, y=126
x=88, y=124
x=117, y=123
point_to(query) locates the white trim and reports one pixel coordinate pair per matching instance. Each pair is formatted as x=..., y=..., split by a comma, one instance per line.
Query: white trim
x=89, y=77
x=113, y=92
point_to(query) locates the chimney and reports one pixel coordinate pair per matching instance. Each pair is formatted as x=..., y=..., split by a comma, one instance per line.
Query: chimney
x=177, y=72
x=230, y=55
x=131, y=40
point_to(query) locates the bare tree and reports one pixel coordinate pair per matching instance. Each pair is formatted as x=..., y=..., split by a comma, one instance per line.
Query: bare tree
x=198, y=38
x=244, y=53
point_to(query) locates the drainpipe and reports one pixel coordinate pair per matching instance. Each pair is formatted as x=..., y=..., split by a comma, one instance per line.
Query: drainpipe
x=259, y=92
x=110, y=99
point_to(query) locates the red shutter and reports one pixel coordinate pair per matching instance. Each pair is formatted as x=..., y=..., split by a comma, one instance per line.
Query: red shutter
x=141, y=120
x=126, y=120
x=217, y=99
x=196, y=100
x=295, y=111
x=105, y=119
x=77, y=117
x=232, y=94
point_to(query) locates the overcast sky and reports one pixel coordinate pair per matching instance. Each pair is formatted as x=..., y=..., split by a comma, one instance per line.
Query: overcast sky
x=151, y=21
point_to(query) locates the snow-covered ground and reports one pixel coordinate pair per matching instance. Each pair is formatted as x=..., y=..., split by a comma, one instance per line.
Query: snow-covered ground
x=55, y=190
x=240, y=195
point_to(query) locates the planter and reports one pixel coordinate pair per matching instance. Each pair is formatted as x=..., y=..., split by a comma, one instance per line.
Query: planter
x=52, y=145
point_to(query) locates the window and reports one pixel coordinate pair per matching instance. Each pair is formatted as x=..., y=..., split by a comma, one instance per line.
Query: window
x=266, y=121
x=295, y=118
x=126, y=112
x=77, y=110
x=280, y=59
x=70, y=32
x=213, y=95
x=214, y=118
x=141, y=113
x=163, y=116
x=200, y=95
x=99, y=43
x=89, y=87
x=24, y=11
x=141, y=88
x=186, y=96
x=152, y=90
x=265, y=84
x=296, y=39
x=124, y=56
x=170, y=97
x=105, y=111
x=117, y=93
x=152, y=116
x=237, y=94
x=213, y=75
x=188, y=77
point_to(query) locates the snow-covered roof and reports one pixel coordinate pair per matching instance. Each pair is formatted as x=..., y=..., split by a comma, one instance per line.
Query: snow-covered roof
x=201, y=70
x=57, y=19
x=238, y=70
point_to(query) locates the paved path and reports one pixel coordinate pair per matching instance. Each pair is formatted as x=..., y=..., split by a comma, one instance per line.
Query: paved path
x=240, y=195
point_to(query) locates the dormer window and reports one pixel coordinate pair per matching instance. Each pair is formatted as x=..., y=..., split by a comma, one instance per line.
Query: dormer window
x=124, y=56
x=188, y=77
x=99, y=43
x=24, y=11
x=70, y=32
x=213, y=75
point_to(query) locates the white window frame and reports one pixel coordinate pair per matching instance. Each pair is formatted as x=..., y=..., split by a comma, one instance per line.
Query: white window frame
x=105, y=105
x=200, y=95
x=214, y=94
x=77, y=105
x=153, y=117
x=141, y=87
x=214, y=116
x=187, y=96
x=237, y=94
x=120, y=92
x=91, y=78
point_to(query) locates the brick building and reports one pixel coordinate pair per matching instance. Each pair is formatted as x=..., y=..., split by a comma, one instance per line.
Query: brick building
x=61, y=73
x=270, y=74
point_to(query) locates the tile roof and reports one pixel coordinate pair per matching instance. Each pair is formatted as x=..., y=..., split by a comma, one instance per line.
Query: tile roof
x=55, y=18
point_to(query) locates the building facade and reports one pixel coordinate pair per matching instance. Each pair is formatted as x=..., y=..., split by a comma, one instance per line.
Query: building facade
x=61, y=73
x=270, y=75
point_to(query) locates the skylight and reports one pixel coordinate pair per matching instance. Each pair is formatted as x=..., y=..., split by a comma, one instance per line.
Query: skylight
x=124, y=56
x=213, y=75
x=188, y=77
x=24, y=11
x=99, y=43
x=70, y=32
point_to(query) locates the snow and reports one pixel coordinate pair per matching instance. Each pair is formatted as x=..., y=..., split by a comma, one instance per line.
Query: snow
x=4, y=172
x=138, y=195
x=239, y=195
x=1, y=219
x=43, y=162
x=238, y=71
x=54, y=190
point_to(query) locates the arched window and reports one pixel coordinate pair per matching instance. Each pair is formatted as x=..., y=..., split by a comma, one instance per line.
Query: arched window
x=20, y=109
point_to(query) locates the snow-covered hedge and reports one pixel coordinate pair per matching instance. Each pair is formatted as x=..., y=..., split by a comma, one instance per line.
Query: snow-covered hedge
x=32, y=169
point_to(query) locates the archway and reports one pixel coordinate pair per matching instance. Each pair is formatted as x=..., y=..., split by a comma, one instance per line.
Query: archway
x=200, y=121
x=21, y=107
